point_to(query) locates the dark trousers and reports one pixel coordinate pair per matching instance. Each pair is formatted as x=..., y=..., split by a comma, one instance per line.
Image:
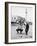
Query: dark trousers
x=26, y=30
x=19, y=30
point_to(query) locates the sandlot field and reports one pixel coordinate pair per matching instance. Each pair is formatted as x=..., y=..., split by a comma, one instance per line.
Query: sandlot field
x=14, y=34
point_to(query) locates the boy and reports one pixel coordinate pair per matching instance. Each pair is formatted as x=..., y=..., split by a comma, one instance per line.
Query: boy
x=27, y=28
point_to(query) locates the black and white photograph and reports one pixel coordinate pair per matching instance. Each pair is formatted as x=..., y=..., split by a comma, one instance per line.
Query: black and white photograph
x=21, y=22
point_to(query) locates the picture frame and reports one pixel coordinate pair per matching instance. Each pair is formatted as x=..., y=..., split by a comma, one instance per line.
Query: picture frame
x=16, y=14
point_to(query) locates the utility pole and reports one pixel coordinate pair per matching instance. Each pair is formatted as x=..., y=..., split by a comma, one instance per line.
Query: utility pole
x=26, y=13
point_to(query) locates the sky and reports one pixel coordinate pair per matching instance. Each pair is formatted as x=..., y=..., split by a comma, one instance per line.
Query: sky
x=21, y=11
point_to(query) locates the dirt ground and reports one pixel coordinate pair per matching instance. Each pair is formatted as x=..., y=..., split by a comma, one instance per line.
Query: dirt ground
x=14, y=34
